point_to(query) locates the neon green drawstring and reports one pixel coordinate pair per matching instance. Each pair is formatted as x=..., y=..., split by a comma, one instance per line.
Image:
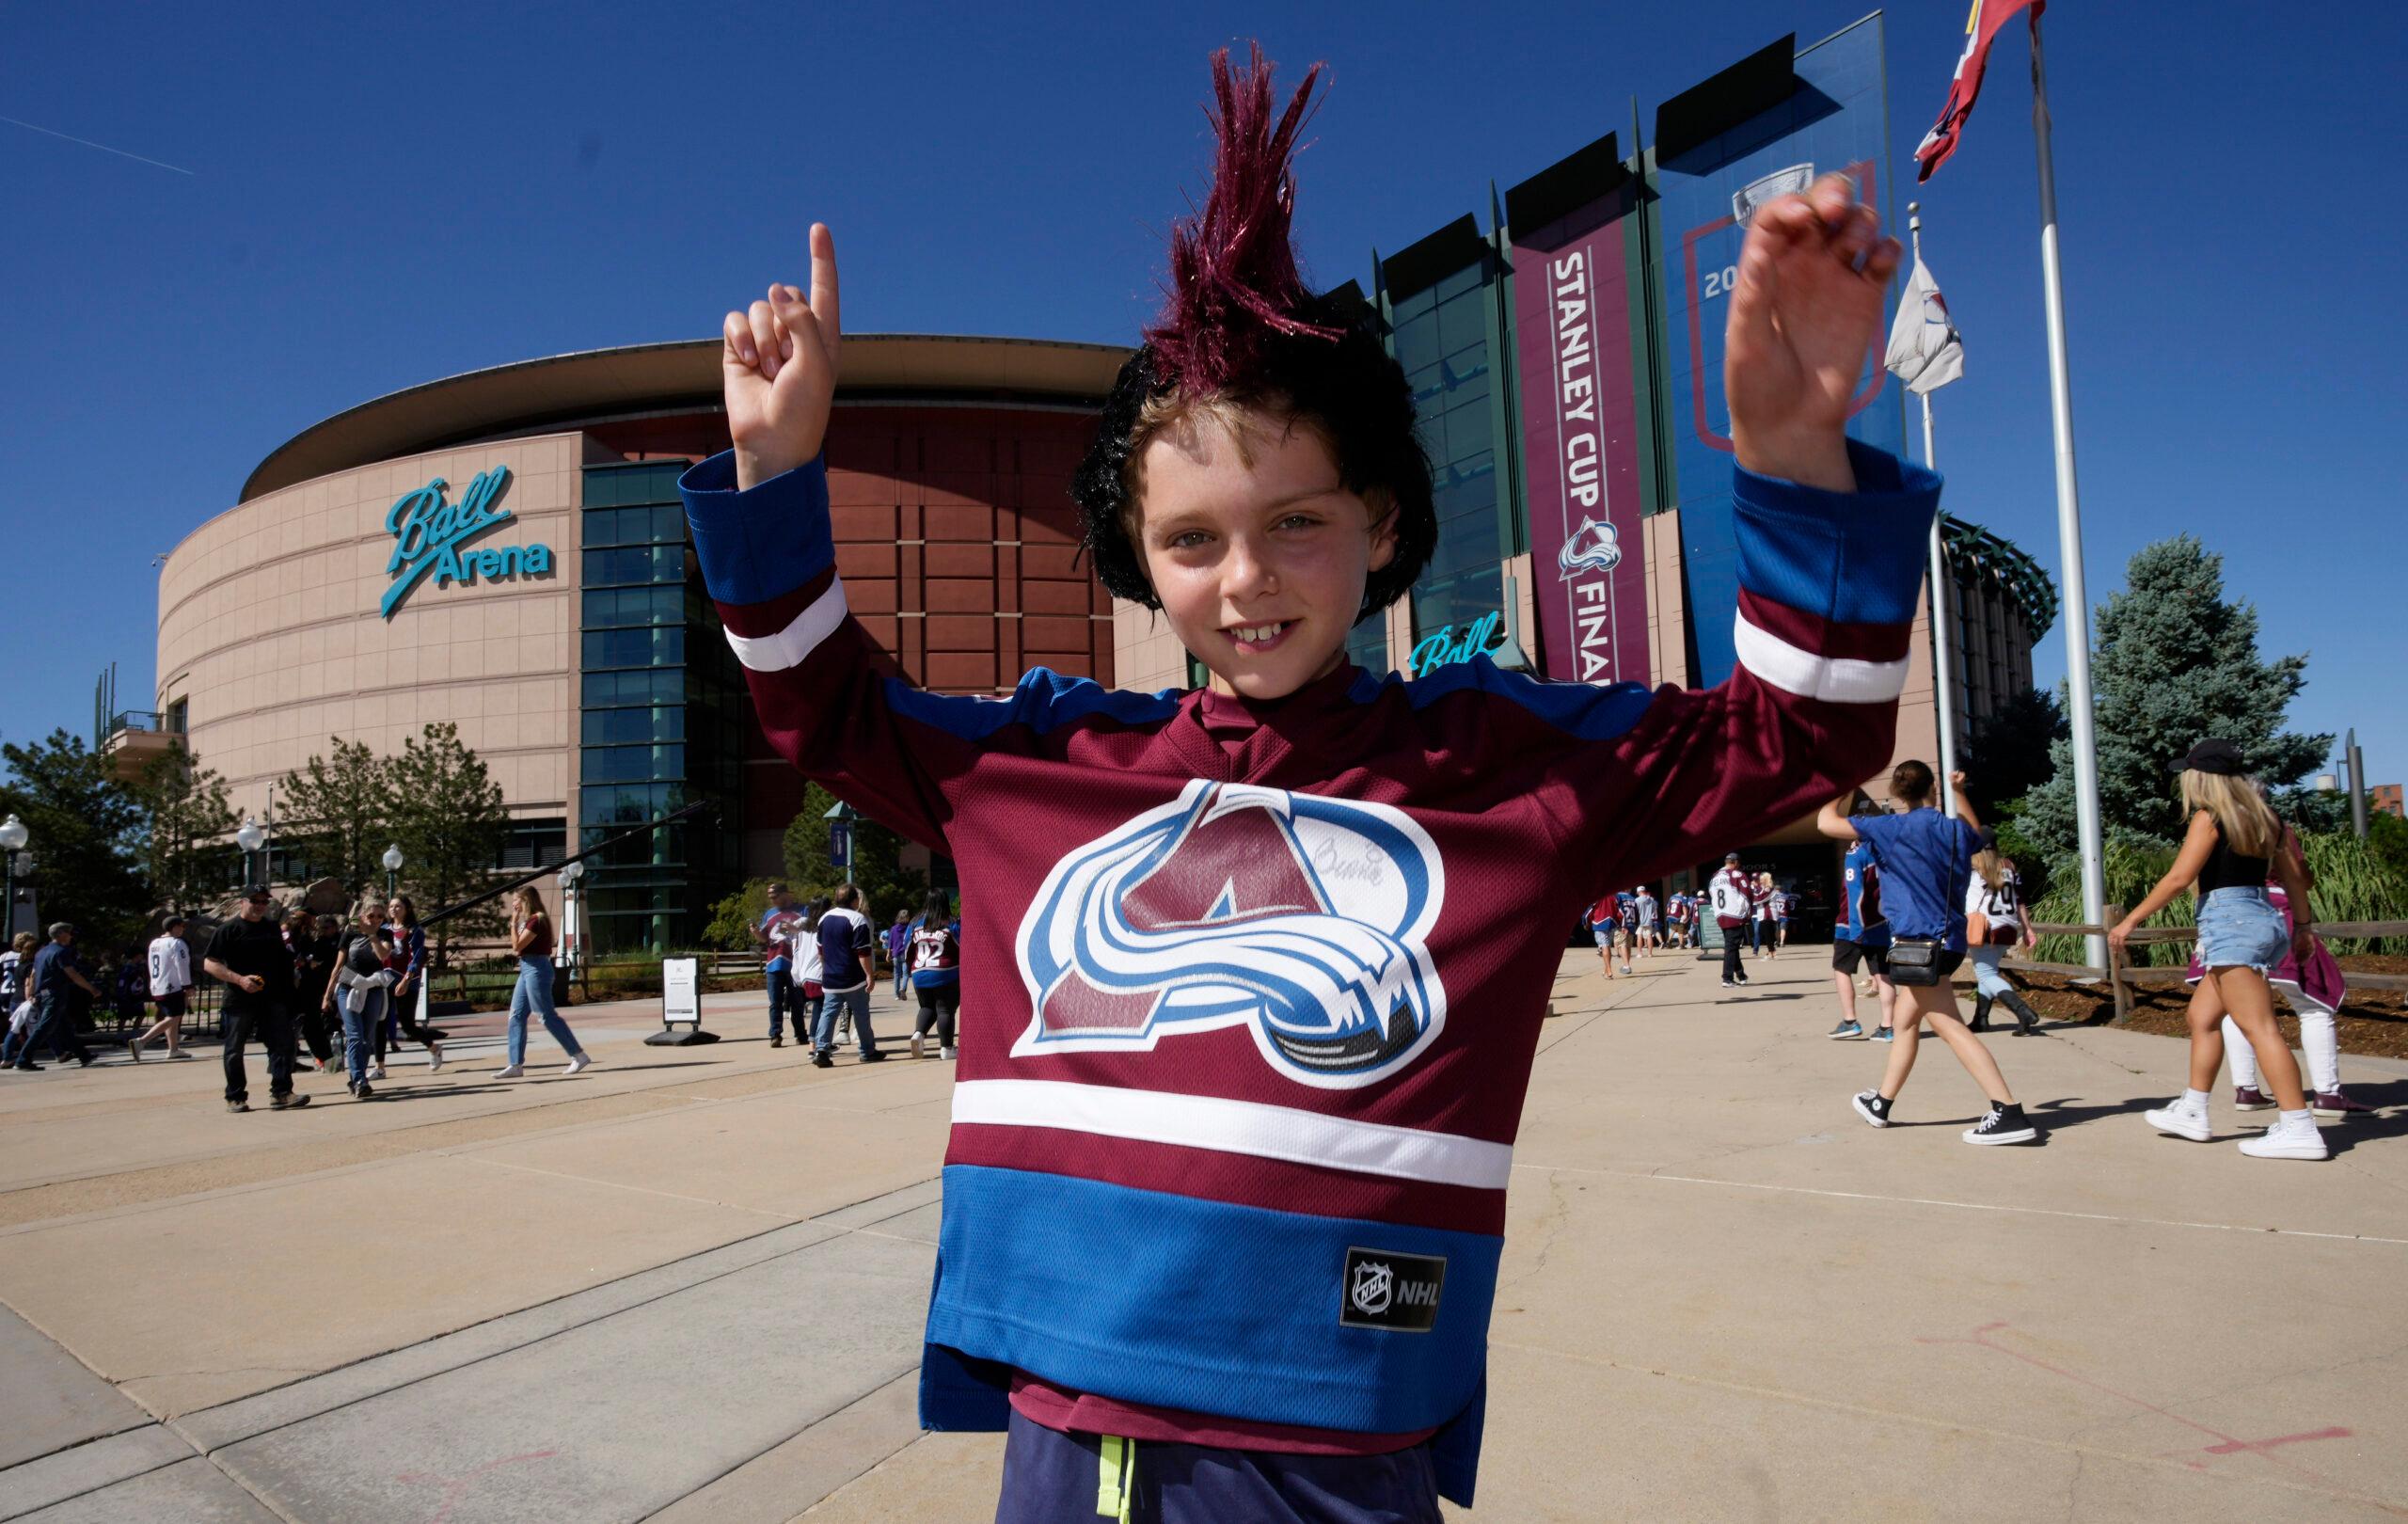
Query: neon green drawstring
x=1115, y=1487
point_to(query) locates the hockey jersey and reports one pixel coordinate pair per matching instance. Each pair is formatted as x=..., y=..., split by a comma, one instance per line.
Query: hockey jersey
x=1259, y=982
x=1731, y=893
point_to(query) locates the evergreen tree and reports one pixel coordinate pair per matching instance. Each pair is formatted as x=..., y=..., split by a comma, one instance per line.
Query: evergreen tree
x=84, y=837
x=878, y=869
x=2011, y=751
x=339, y=814
x=449, y=821
x=188, y=829
x=2174, y=662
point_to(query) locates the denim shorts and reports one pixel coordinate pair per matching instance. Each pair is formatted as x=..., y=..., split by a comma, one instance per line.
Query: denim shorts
x=2239, y=928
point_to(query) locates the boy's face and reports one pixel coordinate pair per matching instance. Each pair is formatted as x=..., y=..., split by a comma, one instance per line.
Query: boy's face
x=1259, y=567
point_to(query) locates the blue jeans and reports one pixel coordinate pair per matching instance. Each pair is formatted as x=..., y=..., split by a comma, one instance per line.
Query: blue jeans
x=534, y=993
x=2239, y=928
x=53, y=1028
x=359, y=1030
x=823, y=1030
x=902, y=979
x=778, y=986
x=1987, y=978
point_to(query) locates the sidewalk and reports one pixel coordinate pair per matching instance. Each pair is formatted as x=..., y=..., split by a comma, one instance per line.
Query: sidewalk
x=688, y=1285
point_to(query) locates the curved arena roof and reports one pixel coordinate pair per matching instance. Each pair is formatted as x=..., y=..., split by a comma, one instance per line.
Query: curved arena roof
x=564, y=390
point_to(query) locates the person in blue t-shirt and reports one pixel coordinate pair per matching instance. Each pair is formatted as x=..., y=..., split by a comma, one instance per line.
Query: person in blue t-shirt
x=1862, y=939
x=1926, y=858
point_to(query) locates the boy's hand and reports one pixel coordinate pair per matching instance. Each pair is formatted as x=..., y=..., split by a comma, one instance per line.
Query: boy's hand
x=1807, y=309
x=779, y=363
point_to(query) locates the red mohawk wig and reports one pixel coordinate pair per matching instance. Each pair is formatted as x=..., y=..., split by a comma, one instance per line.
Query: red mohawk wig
x=1232, y=269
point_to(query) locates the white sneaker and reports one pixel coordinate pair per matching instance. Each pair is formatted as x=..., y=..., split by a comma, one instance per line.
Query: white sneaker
x=579, y=1065
x=948, y=1053
x=375, y=1070
x=916, y=1049
x=2181, y=1122
x=2287, y=1140
x=511, y=1072
x=434, y=1057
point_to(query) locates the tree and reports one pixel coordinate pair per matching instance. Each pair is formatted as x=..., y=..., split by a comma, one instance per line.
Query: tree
x=449, y=819
x=84, y=836
x=809, y=872
x=187, y=829
x=878, y=869
x=2174, y=662
x=2009, y=754
x=339, y=814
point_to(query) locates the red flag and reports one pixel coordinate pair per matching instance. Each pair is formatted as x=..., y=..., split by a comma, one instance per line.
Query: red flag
x=1981, y=28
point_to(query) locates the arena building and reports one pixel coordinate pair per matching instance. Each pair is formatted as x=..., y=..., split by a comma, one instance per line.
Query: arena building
x=505, y=550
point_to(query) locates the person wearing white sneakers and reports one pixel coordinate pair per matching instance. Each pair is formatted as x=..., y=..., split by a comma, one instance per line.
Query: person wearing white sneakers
x=530, y=938
x=2232, y=841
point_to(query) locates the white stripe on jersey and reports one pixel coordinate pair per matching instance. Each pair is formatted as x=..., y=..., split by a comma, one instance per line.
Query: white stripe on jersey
x=1833, y=679
x=1247, y=1127
x=788, y=646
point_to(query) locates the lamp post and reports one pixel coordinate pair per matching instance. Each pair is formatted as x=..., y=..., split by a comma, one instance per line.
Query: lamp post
x=251, y=839
x=392, y=861
x=13, y=837
x=572, y=933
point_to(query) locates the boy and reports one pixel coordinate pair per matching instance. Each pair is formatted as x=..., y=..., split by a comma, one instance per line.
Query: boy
x=1862, y=936
x=1646, y=902
x=1232, y=1136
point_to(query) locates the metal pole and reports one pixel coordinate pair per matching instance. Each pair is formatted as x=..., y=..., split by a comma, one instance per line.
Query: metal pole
x=1943, y=664
x=2077, y=609
x=2357, y=783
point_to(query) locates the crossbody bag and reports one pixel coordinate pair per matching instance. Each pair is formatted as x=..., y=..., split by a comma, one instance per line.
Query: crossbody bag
x=1914, y=961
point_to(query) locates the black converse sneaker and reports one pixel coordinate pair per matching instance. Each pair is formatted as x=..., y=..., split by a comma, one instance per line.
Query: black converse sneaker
x=2003, y=1123
x=1874, y=1107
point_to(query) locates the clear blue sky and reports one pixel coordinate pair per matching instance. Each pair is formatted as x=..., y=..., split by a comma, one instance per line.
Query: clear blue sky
x=379, y=197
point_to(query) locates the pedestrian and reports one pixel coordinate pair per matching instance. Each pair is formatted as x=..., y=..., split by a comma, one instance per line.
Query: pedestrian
x=1926, y=858
x=1604, y=918
x=810, y=996
x=2233, y=843
x=53, y=984
x=845, y=941
x=129, y=987
x=1679, y=914
x=1732, y=905
x=366, y=968
x=1995, y=920
x=1862, y=939
x=1270, y=958
x=169, y=959
x=899, y=953
x=16, y=966
x=1785, y=905
x=773, y=933
x=934, y=951
x=530, y=942
x=401, y=1011
x=249, y=955
x=1766, y=900
x=314, y=963
x=1648, y=912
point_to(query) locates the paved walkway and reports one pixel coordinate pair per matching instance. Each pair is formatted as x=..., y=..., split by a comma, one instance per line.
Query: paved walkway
x=688, y=1285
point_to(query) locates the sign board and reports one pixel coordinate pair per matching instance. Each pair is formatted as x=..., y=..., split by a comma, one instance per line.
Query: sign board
x=840, y=844
x=428, y=533
x=681, y=997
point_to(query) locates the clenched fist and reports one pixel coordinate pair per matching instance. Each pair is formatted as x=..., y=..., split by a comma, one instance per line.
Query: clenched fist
x=1807, y=309
x=779, y=363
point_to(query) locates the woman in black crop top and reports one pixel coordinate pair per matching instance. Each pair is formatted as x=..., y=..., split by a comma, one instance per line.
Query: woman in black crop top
x=2241, y=935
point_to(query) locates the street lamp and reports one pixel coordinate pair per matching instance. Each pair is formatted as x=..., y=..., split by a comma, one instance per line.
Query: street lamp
x=250, y=839
x=13, y=837
x=392, y=866
x=571, y=934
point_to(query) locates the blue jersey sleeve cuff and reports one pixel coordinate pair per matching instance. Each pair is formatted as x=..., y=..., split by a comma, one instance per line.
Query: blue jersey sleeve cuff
x=762, y=543
x=1857, y=557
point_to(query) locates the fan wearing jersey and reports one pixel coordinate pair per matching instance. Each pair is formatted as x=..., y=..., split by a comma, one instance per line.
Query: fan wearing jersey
x=1996, y=920
x=1225, y=1192
x=170, y=960
x=934, y=943
x=1862, y=937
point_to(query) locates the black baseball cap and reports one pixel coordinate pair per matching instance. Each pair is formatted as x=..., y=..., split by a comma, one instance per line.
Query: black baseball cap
x=256, y=891
x=2213, y=755
x=1729, y=857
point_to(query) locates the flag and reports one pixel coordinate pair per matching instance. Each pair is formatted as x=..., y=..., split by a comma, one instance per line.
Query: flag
x=1981, y=29
x=1926, y=351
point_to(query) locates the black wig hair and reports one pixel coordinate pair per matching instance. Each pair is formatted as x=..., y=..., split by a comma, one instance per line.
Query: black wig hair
x=1238, y=322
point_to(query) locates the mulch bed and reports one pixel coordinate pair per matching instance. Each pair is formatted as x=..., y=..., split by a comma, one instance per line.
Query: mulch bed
x=2373, y=1021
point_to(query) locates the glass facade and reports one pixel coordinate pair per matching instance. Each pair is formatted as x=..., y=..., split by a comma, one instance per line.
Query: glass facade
x=660, y=715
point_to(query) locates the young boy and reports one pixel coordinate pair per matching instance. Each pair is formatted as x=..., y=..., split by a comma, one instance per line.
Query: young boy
x=1862, y=938
x=1225, y=1186
x=1646, y=905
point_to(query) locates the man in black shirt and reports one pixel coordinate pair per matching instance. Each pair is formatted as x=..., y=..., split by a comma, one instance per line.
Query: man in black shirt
x=248, y=953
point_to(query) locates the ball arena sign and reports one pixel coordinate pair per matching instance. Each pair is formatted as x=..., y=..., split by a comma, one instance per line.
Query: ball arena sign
x=428, y=533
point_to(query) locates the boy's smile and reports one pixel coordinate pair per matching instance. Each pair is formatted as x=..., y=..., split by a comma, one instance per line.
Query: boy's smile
x=1258, y=553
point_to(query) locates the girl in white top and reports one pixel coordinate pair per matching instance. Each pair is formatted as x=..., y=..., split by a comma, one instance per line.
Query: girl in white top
x=1995, y=894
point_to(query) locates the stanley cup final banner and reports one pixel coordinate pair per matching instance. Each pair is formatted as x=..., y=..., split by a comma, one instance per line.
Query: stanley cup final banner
x=1579, y=443
x=1830, y=119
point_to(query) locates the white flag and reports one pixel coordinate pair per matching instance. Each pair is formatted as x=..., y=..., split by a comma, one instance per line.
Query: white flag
x=1925, y=350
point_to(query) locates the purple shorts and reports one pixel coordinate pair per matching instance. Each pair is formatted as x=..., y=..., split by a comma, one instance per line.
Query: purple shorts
x=1052, y=1478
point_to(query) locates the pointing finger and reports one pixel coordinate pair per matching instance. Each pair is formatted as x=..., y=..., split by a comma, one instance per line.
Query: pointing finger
x=823, y=287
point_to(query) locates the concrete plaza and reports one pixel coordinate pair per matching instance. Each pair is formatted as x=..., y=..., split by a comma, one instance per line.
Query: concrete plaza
x=689, y=1284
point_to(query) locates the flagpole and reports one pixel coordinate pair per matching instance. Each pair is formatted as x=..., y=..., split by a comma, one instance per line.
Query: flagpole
x=2077, y=601
x=1944, y=669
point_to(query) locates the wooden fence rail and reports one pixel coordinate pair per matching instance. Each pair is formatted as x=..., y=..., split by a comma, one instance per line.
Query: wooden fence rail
x=2122, y=976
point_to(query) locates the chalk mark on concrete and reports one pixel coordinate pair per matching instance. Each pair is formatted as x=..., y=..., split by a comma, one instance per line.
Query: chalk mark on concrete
x=456, y=1487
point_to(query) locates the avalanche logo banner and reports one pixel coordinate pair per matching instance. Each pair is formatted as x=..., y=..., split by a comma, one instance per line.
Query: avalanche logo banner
x=1304, y=919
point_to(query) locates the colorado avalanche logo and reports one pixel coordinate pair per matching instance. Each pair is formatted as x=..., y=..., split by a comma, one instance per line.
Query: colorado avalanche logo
x=1592, y=548
x=1300, y=917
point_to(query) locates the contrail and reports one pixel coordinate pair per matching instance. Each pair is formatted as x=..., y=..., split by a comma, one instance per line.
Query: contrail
x=89, y=143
